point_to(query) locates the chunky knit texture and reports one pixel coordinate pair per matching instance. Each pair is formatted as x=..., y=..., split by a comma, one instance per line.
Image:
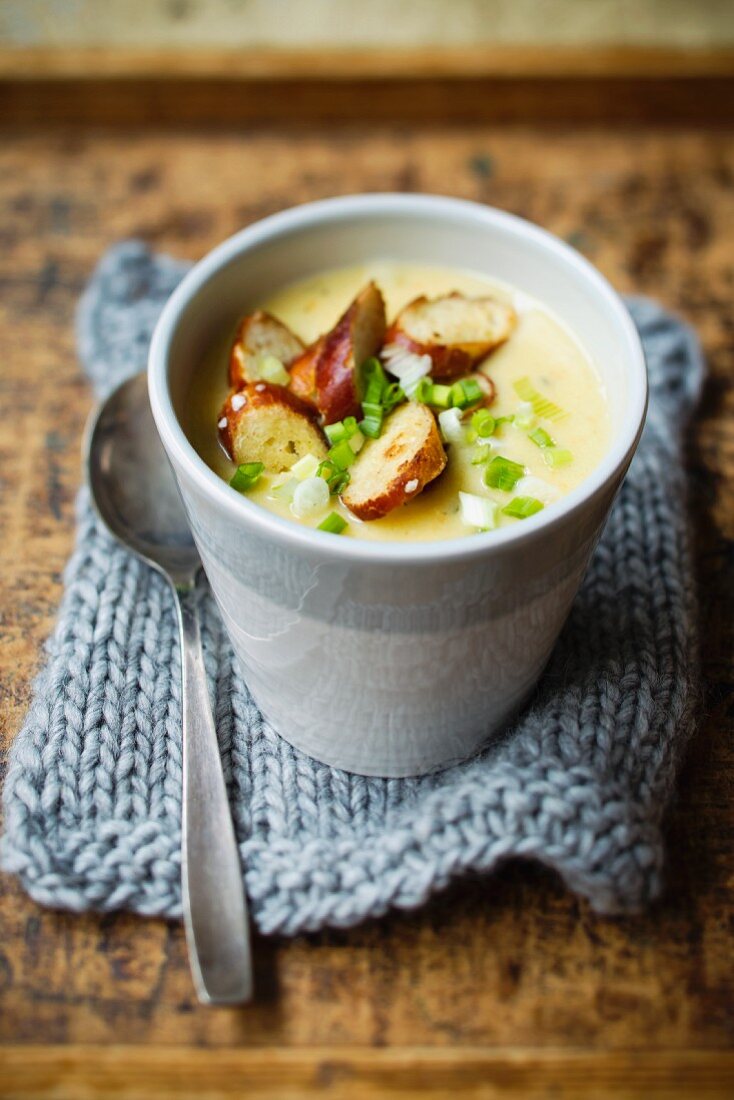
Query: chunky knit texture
x=93, y=793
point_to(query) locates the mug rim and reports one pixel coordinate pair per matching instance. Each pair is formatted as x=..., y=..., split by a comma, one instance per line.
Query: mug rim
x=295, y=535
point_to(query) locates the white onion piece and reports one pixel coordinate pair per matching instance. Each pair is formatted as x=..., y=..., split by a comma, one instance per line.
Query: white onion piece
x=478, y=511
x=310, y=498
x=525, y=415
x=305, y=467
x=406, y=366
x=283, y=489
x=531, y=486
x=452, y=428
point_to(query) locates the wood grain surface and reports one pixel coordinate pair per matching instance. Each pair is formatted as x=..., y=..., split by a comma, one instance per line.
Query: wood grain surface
x=306, y=86
x=503, y=986
x=30, y=63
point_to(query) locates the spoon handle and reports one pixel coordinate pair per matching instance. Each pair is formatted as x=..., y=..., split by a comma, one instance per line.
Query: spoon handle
x=214, y=904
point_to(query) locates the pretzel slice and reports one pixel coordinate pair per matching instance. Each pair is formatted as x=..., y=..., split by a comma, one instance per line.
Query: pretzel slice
x=395, y=468
x=326, y=373
x=260, y=334
x=263, y=422
x=456, y=331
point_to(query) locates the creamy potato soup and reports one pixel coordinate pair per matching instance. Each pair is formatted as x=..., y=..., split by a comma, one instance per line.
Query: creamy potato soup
x=400, y=401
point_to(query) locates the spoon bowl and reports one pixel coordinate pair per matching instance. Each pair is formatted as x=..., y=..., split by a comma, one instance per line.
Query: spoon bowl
x=133, y=488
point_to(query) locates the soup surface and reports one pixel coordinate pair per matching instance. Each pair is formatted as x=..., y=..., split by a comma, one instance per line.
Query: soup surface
x=557, y=436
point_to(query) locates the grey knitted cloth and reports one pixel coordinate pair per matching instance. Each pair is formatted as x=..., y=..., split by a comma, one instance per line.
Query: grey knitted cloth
x=93, y=792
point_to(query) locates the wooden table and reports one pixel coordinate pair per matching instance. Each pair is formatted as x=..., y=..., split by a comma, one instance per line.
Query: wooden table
x=505, y=986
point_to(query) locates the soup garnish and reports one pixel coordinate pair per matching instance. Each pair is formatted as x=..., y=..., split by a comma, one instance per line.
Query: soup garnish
x=443, y=406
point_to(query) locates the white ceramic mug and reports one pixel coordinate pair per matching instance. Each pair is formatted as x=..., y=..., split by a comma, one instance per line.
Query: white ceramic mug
x=392, y=659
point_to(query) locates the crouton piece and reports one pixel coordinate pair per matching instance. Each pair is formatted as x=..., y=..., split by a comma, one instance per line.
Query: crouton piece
x=327, y=371
x=457, y=332
x=260, y=334
x=393, y=469
x=266, y=423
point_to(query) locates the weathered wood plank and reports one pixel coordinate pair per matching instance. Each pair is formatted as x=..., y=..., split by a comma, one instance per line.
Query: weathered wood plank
x=27, y=63
x=127, y=1073
x=315, y=98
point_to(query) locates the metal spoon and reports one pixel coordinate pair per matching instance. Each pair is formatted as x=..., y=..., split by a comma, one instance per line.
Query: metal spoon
x=136, y=497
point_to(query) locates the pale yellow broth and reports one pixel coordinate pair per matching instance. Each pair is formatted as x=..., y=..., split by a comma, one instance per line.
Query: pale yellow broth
x=541, y=347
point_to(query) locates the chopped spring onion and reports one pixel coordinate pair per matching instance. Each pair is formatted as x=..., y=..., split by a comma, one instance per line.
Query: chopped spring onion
x=310, y=498
x=478, y=511
x=540, y=438
x=423, y=392
x=431, y=393
x=305, y=467
x=336, y=479
x=335, y=432
x=557, y=456
x=373, y=380
x=378, y=397
x=452, y=429
x=522, y=507
x=270, y=369
x=542, y=406
x=392, y=395
x=441, y=396
x=465, y=393
x=246, y=476
x=357, y=442
x=480, y=454
x=342, y=429
x=503, y=473
x=333, y=523
x=371, y=424
x=497, y=421
x=483, y=423
x=346, y=430
x=341, y=455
